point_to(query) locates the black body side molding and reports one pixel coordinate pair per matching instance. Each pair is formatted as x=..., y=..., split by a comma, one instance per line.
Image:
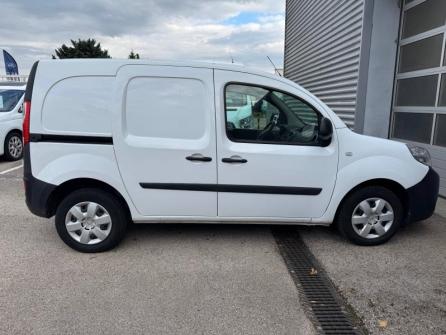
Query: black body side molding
x=234, y=188
x=70, y=139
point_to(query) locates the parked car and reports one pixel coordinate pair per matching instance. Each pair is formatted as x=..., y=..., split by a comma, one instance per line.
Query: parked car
x=113, y=141
x=11, y=115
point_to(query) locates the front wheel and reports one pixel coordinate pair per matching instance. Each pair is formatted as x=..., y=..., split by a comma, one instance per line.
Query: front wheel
x=91, y=220
x=370, y=216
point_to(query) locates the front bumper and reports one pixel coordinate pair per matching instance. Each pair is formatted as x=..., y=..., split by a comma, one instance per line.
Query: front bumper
x=422, y=197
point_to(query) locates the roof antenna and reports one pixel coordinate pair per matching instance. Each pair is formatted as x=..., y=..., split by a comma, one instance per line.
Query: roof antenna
x=275, y=68
x=232, y=59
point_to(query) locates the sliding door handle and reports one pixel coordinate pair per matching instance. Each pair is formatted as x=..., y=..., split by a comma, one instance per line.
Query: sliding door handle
x=234, y=159
x=198, y=158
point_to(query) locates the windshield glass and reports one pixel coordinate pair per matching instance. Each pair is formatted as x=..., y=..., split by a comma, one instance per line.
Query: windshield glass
x=9, y=99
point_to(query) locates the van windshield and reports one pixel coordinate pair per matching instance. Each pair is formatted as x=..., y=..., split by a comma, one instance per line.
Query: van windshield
x=9, y=99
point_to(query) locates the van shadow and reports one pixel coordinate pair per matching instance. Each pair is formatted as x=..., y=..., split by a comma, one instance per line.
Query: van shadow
x=148, y=231
x=144, y=235
x=219, y=235
x=140, y=235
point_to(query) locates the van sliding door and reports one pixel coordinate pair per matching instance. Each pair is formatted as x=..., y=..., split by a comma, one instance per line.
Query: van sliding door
x=164, y=139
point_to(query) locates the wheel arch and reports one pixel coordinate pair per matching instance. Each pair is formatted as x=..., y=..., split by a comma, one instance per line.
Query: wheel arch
x=14, y=130
x=67, y=187
x=9, y=132
x=392, y=185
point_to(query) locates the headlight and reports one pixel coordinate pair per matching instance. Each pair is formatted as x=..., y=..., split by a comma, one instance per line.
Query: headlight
x=420, y=154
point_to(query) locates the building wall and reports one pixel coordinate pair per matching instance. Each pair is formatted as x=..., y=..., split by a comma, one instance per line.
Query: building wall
x=419, y=104
x=323, y=50
x=379, y=64
x=381, y=23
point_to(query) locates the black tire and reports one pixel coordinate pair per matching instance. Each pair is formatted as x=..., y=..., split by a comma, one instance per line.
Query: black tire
x=109, y=202
x=8, y=154
x=345, y=213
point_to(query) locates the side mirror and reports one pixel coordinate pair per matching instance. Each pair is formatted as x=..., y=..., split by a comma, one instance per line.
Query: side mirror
x=20, y=110
x=325, y=131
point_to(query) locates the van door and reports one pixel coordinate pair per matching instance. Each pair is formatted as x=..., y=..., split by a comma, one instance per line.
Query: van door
x=164, y=139
x=270, y=164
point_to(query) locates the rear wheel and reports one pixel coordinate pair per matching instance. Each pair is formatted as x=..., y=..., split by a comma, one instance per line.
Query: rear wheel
x=91, y=220
x=370, y=216
x=13, y=149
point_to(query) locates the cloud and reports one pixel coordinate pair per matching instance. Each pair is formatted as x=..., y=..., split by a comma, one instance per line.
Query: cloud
x=246, y=30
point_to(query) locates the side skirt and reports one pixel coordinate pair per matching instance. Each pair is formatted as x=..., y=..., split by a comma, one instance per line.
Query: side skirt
x=230, y=220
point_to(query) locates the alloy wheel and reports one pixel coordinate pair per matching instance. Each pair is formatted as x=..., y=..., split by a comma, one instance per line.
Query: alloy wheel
x=15, y=146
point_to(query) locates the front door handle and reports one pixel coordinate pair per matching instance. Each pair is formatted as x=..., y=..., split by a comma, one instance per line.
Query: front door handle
x=234, y=159
x=198, y=158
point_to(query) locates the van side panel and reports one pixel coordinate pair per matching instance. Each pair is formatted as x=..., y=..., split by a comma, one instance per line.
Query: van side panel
x=78, y=105
x=55, y=163
x=50, y=73
x=71, y=135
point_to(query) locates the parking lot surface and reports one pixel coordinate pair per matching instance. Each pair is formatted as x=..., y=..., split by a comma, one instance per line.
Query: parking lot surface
x=207, y=279
x=10, y=169
x=174, y=279
x=401, y=283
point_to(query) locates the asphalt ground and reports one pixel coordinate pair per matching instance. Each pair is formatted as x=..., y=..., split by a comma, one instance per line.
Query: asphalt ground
x=207, y=279
x=163, y=279
x=400, y=285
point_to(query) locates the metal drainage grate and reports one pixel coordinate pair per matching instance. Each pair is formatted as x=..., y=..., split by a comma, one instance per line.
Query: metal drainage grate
x=324, y=305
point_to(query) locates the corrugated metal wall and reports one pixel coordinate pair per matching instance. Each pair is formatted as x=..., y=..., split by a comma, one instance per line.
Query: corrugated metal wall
x=322, y=50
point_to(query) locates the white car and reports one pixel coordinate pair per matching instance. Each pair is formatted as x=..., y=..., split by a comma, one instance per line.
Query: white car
x=113, y=141
x=11, y=116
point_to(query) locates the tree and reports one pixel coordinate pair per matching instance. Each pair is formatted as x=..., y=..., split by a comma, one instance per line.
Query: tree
x=133, y=55
x=82, y=49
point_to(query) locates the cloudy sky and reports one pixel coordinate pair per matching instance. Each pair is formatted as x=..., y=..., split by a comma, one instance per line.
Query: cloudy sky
x=246, y=30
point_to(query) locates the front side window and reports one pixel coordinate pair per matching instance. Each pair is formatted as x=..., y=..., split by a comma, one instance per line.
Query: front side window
x=9, y=99
x=258, y=114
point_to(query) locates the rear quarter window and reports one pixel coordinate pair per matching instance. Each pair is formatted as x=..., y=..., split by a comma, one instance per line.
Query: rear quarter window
x=79, y=105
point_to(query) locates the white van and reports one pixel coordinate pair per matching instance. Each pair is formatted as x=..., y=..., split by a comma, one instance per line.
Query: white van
x=11, y=116
x=113, y=141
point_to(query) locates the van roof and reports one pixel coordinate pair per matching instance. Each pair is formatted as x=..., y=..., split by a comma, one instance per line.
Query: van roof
x=112, y=65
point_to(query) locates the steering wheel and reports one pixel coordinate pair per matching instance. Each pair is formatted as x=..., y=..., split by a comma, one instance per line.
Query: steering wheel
x=269, y=127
